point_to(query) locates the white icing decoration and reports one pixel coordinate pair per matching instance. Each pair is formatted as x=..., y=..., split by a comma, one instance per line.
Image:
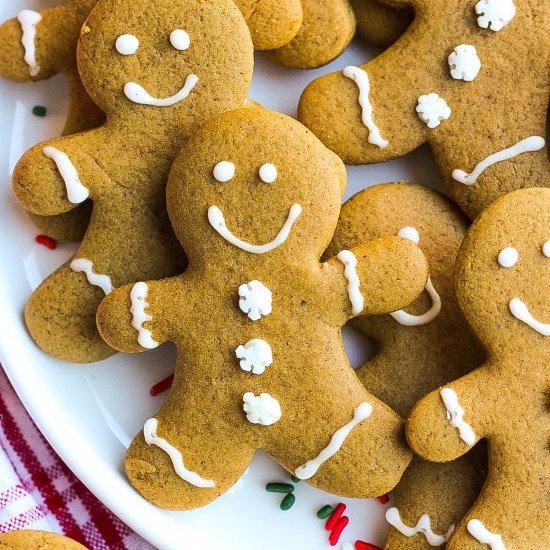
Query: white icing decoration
x=546, y=249
x=224, y=171
x=423, y=526
x=456, y=412
x=409, y=320
x=309, y=469
x=28, y=19
x=127, y=44
x=134, y=92
x=464, y=63
x=76, y=191
x=410, y=233
x=347, y=546
x=508, y=257
x=255, y=300
x=180, y=39
x=82, y=265
x=432, y=109
x=529, y=145
x=347, y=257
x=139, y=305
x=268, y=173
x=521, y=312
x=484, y=536
x=151, y=438
x=361, y=78
x=495, y=14
x=263, y=409
x=217, y=221
x=255, y=356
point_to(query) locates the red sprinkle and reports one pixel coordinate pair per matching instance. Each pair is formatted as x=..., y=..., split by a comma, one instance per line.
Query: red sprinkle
x=162, y=386
x=46, y=241
x=384, y=499
x=362, y=545
x=335, y=516
x=337, y=531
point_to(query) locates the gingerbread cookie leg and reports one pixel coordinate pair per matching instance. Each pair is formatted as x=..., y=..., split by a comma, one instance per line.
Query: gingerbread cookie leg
x=327, y=29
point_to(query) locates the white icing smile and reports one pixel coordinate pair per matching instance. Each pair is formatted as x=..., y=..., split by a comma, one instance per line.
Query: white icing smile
x=521, y=312
x=136, y=93
x=217, y=221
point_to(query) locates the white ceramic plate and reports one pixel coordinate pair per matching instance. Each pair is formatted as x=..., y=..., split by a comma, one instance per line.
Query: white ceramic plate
x=90, y=413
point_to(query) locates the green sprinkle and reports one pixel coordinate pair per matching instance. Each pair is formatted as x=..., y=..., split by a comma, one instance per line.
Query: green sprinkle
x=288, y=502
x=279, y=488
x=39, y=110
x=295, y=479
x=325, y=512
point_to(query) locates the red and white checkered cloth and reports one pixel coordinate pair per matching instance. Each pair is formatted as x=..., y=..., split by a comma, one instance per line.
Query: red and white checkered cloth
x=38, y=491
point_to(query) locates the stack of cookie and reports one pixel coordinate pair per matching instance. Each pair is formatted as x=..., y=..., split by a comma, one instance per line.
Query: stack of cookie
x=203, y=223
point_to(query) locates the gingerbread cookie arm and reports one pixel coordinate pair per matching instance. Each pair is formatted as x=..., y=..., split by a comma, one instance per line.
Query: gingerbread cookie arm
x=272, y=23
x=328, y=27
x=132, y=318
x=54, y=177
x=379, y=277
x=365, y=114
x=449, y=421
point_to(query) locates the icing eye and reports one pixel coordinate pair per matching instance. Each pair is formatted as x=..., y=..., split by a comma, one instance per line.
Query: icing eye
x=127, y=44
x=409, y=233
x=508, y=257
x=224, y=171
x=268, y=173
x=546, y=249
x=180, y=40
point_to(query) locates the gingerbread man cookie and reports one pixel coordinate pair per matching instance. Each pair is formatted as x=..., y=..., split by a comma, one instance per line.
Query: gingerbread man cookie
x=419, y=349
x=254, y=198
x=157, y=80
x=37, y=540
x=327, y=29
x=501, y=280
x=450, y=81
x=379, y=23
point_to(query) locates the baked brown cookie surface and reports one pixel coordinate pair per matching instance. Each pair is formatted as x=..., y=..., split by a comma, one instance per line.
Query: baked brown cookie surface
x=327, y=29
x=157, y=82
x=451, y=81
x=501, y=280
x=419, y=349
x=254, y=198
x=379, y=23
x=37, y=540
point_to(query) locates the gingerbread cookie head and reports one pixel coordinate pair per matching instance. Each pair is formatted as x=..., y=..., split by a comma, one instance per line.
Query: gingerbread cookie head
x=255, y=198
x=26, y=539
x=450, y=81
x=256, y=192
x=131, y=65
x=502, y=271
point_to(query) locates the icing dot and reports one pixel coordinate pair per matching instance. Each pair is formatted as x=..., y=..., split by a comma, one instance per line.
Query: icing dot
x=409, y=233
x=508, y=257
x=268, y=173
x=546, y=249
x=180, y=39
x=127, y=44
x=224, y=171
x=433, y=109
